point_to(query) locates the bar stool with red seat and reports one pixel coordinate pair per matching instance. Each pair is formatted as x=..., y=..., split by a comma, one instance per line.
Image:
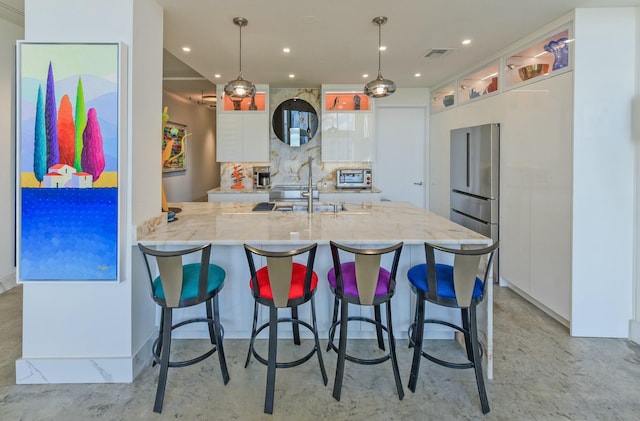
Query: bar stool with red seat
x=282, y=283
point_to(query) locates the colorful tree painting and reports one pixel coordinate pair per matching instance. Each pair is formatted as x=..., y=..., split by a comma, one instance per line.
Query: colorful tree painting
x=66, y=132
x=40, y=140
x=51, y=120
x=92, y=151
x=80, y=123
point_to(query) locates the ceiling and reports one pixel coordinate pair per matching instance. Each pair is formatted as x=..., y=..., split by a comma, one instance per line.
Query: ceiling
x=335, y=41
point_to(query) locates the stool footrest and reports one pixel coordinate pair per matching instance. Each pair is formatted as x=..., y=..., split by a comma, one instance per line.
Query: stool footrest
x=285, y=364
x=363, y=361
x=438, y=360
x=214, y=348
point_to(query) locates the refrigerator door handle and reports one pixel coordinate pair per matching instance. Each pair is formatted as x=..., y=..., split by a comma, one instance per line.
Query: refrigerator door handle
x=468, y=160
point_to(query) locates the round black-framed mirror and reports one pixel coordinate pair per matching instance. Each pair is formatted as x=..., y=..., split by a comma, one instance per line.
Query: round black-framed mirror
x=295, y=122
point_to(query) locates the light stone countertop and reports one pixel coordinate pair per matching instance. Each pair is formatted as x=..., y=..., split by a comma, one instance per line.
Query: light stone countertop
x=234, y=223
x=329, y=189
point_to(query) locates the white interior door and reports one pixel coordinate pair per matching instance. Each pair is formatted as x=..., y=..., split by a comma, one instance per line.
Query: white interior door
x=400, y=160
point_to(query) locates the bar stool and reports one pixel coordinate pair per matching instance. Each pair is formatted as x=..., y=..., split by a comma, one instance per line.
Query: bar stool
x=183, y=285
x=282, y=283
x=454, y=286
x=362, y=282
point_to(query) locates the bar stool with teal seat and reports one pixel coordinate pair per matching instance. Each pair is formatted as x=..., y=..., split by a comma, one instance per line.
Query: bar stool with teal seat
x=282, y=284
x=181, y=285
x=454, y=286
x=362, y=282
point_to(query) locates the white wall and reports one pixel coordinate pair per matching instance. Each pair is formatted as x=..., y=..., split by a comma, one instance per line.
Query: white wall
x=9, y=33
x=93, y=331
x=203, y=172
x=603, y=164
x=634, y=324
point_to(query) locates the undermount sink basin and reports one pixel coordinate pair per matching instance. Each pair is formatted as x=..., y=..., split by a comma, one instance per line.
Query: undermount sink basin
x=317, y=207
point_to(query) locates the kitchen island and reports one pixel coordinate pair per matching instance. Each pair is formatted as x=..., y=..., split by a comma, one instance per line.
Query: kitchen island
x=228, y=225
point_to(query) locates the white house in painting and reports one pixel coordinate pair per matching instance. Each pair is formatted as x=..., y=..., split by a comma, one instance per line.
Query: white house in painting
x=81, y=180
x=63, y=175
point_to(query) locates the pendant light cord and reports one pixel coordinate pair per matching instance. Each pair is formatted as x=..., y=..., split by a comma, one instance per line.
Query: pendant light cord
x=240, y=74
x=379, y=51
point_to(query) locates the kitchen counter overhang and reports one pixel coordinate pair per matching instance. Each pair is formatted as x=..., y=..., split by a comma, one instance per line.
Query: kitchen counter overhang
x=236, y=223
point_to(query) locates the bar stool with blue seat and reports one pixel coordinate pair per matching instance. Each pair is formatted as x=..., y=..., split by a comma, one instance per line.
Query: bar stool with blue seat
x=282, y=283
x=183, y=285
x=362, y=282
x=454, y=286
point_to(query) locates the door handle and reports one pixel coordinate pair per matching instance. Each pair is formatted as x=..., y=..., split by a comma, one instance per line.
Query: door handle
x=419, y=183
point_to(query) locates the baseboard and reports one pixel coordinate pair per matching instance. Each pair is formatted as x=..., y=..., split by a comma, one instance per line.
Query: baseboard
x=83, y=370
x=634, y=331
x=8, y=282
x=537, y=303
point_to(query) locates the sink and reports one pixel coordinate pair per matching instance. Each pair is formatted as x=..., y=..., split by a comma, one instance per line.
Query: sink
x=317, y=207
x=290, y=192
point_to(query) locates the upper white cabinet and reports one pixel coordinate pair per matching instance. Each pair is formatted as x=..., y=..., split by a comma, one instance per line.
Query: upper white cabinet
x=347, y=124
x=243, y=127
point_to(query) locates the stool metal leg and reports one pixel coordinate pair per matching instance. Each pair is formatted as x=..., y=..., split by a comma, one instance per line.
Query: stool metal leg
x=296, y=328
x=378, y=318
x=334, y=318
x=342, y=350
x=218, y=338
x=253, y=333
x=272, y=360
x=464, y=314
x=418, y=337
x=392, y=352
x=477, y=361
x=164, y=359
x=315, y=335
x=212, y=335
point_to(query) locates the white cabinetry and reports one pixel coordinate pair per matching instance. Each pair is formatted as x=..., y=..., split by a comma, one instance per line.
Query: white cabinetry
x=347, y=124
x=242, y=131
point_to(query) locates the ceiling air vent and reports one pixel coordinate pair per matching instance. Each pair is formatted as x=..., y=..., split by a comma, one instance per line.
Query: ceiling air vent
x=437, y=52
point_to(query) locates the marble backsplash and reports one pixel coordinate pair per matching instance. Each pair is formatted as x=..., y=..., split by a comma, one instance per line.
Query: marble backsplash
x=289, y=165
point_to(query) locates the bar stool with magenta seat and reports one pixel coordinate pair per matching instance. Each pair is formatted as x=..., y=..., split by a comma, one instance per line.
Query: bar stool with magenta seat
x=183, y=285
x=363, y=282
x=282, y=283
x=454, y=286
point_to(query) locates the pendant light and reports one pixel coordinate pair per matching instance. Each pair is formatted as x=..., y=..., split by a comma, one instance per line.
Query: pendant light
x=380, y=87
x=240, y=88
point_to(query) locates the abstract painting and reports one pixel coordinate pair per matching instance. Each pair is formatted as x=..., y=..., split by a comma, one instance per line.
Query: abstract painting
x=67, y=161
x=174, y=145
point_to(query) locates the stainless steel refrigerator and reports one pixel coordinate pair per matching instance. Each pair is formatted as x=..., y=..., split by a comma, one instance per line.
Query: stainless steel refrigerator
x=475, y=180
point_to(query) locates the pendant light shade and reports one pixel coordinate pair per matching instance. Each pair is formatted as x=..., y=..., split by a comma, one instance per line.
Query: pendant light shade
x=379, y=87
x=240, y=88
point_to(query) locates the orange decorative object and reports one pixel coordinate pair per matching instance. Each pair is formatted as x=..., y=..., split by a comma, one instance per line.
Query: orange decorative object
x=237, y=177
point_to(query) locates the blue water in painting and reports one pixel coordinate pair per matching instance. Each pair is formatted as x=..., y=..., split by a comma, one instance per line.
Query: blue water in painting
x=69, y=234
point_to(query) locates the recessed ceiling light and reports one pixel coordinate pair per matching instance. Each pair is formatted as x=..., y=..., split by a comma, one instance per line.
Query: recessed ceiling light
x=365, y=75
x=418, y=75
x=216, y=76
x=286, y=50
x=186, y=49
x=466, y=42
x=291, y=76
x=383, y=48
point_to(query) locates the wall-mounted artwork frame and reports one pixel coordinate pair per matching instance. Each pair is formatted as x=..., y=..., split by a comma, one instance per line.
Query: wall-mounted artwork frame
x=175, y=135
x=68, y=125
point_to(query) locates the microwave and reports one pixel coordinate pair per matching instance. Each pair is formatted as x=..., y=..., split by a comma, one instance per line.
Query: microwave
x=353, y=179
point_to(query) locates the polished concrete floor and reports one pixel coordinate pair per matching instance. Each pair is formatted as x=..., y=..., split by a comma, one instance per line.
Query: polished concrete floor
x=541, y=373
